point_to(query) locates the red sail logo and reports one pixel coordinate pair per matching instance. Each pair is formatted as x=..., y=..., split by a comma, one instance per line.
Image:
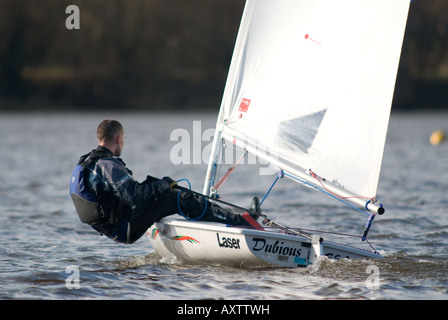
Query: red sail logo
x=244, y=105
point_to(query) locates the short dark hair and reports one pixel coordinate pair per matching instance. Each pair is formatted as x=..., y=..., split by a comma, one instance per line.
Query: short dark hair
x=108, y=129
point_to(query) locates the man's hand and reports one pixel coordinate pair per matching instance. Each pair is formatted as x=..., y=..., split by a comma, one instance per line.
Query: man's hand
x=173, y=185
x=170, y=183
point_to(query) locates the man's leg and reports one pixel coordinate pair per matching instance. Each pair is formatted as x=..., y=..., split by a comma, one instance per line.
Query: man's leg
x=143, y=218
x=194, y=206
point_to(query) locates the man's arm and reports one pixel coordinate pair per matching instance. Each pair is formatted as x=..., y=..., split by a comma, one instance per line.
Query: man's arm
x=124, y=186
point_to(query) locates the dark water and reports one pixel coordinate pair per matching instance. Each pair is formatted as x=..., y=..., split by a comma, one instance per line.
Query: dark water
x=44, y=246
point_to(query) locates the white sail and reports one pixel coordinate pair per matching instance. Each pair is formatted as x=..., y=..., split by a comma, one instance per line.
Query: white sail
x=310, y=86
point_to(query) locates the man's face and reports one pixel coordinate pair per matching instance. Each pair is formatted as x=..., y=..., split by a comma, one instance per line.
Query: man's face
x=120, y=146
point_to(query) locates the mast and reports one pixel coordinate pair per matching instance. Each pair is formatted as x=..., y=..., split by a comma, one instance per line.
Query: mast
x=213, y=163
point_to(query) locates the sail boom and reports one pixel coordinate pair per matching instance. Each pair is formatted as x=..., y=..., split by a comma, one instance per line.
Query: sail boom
x=302, y=175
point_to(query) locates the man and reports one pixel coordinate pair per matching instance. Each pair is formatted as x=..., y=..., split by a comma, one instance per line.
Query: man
x=107, y=197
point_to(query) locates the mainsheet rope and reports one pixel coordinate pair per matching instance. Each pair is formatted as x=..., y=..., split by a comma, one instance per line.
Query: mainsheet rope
x=178, y=203
x=370, y=218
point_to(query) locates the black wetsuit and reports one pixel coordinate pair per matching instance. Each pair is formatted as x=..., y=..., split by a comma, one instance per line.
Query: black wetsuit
x=118, y=206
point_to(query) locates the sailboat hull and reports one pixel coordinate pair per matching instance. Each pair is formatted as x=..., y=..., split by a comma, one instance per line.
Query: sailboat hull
x=207, y=242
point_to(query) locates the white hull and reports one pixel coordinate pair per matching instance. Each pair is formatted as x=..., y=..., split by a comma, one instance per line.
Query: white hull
x=214, y=243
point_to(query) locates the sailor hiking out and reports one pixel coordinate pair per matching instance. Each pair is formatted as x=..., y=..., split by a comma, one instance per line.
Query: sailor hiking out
x=111, y=201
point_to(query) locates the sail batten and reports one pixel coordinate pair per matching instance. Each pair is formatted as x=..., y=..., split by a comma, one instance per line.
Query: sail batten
x=311, y=84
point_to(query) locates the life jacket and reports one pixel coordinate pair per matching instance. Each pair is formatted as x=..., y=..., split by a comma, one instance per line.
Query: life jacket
x=86, y=202
x=99, y=208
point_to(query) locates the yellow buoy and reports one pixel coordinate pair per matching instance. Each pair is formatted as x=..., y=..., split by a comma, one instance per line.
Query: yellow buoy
x=437, y=137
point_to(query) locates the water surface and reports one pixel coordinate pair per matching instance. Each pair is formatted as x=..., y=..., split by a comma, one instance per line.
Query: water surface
x=41, y=235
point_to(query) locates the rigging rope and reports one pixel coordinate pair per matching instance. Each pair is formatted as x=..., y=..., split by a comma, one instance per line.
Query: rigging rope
x=326, y=192
x=269, y=223
x=229, y=171
x=334, y=194
x=280, y=175
x=323, y=189
x=178, y=203
x=275, y=225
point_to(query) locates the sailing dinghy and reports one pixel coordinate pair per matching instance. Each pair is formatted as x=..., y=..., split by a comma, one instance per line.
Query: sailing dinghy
x=309, y=90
